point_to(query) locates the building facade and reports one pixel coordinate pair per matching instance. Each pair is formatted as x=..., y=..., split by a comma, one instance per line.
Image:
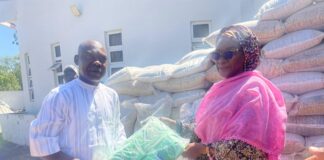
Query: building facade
x=135, y=33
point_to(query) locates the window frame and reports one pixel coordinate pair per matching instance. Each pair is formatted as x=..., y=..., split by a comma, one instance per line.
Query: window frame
x=57, y=60
x=199, y=40
x=116, y=64
x=30, y=88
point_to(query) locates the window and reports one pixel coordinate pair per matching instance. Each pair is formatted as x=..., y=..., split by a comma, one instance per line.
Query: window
x=29, y=78
x=31, y=94
x=114, y=44
x=57, y=67
x=116, y=56
x=57, y=50
x=115, y=39
x=27, y=61
x=29, y=72
x=30, y=83
x=199, y=30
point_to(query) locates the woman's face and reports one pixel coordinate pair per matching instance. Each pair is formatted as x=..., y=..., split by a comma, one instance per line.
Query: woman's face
x=228, y=57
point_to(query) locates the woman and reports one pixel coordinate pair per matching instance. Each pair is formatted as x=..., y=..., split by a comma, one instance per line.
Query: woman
x=243, y=116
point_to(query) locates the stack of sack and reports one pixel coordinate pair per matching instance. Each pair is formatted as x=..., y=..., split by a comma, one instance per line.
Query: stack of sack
x=291, y=35
x=167, y=90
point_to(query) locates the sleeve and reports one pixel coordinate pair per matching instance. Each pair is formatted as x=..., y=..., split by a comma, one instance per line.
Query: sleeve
x=44, y=130
x=120, y=134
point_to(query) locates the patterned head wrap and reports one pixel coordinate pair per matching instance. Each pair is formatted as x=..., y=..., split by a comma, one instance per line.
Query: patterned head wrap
x=248, y=42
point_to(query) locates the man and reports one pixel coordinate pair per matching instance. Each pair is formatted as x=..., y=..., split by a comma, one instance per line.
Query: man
x=80, y=119
x=70, y=73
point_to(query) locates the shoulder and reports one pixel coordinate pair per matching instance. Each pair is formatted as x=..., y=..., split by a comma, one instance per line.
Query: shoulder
x=60, y=92
x=261, y=81
x=256, y=83
x=256, y=79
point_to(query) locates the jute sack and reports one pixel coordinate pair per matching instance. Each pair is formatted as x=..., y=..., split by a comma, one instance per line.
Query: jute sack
x=4, y=108
x=299, y=82
x=292, y=43
x=161, y=108
x=294, y=143
x=308, y=60
x=195, y=81
x=265, y=31
x=187, y=96
x=280, y=9
x=155, y=73
x=123, y=98
x=125, y=74
x=311, y=17
x=151, y=99
x=188, y=111
x=128, y=115
x=306, y=125
x=311, y=103
x=188, y=66
x=290, y=100
x=201, y=53
x=271, y=68
x=133, y=88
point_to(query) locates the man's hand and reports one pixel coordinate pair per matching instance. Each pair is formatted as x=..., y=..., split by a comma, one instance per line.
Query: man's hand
x=317, y=153
x=194, y=150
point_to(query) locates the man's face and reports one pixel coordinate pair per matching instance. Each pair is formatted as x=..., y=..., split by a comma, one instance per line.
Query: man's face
x=92, y=66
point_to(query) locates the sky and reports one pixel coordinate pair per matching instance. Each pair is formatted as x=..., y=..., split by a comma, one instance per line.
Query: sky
x=6, y=46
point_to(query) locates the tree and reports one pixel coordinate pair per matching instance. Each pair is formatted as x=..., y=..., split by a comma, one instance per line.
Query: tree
x=10, y=74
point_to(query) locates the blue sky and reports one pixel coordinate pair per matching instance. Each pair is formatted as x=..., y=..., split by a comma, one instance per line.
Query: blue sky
x=6, y=46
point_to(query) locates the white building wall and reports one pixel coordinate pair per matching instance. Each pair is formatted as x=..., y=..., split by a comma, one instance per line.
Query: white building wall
x=153, y=32
x=15, y=127
x=8, y=10
x=13, y=98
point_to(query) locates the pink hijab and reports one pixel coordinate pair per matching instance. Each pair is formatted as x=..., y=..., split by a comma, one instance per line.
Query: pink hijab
x=247, y=107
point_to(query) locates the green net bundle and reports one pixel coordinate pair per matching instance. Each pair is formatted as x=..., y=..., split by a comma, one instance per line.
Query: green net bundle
x=154, y=141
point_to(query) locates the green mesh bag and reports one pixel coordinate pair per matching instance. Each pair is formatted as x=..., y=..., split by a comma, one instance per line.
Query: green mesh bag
x=154, y=141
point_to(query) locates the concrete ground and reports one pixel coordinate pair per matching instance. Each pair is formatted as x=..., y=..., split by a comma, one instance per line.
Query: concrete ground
x=11, y=151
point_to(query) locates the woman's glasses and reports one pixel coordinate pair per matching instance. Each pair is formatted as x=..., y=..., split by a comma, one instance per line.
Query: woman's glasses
x=227, y=55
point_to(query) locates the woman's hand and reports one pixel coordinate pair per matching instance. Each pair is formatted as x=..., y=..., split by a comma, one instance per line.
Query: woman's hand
x=194, y=150
x=318, y=153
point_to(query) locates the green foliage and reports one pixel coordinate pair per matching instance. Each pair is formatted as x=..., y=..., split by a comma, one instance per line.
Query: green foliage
x=10, y=74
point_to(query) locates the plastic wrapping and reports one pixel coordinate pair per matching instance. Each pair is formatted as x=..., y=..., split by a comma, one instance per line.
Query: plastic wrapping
x=154, y=141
